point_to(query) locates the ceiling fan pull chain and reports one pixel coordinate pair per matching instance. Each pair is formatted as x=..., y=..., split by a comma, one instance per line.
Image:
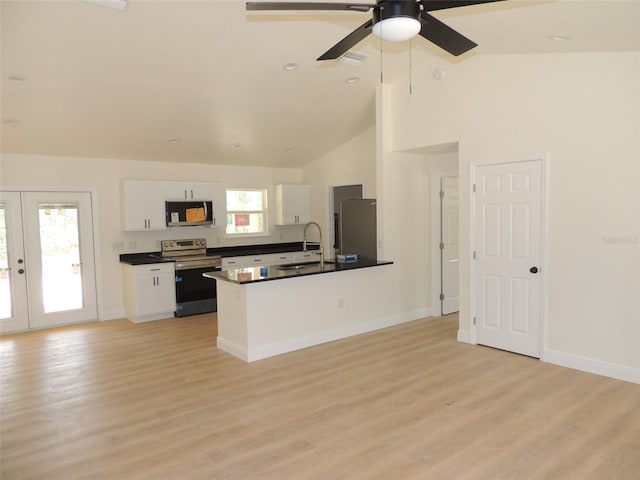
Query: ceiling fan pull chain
x=381, y=79
x=410, y=67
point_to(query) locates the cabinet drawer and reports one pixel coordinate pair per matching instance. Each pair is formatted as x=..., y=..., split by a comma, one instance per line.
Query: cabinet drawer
x=282, y=258
x=250, y=260
x=232, y=262
x=154, y=268
x=308, y=256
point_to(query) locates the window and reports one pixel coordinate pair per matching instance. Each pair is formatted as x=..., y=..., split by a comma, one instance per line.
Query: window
x=246, y=212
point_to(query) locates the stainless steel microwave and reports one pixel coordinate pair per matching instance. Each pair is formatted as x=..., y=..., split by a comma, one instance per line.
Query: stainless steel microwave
x=186, y=214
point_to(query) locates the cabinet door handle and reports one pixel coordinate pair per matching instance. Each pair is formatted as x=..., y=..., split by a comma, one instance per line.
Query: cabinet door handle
x=157, y=280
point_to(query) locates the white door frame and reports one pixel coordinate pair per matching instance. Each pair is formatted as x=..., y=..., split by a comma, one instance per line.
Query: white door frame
x=436, y=234
x=543, y=158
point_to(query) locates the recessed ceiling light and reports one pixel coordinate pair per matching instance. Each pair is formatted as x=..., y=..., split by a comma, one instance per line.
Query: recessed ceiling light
x=17, y=78
x=352, y=80
x=559, y=38
x=237, y=145
x=117, y=4
x=289, y=150
x=174, y=141
x=290, y=67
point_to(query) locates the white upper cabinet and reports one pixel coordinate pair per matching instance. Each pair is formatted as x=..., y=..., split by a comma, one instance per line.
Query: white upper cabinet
x=219, y=196
x=187, y=191
x=143, y=205
x=143, y=202
x=293, y=204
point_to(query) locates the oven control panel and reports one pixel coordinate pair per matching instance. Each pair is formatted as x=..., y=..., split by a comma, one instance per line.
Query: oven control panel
x=179, y=245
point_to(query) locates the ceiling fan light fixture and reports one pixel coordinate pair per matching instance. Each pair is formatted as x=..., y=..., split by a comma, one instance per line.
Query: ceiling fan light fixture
x=396, y=21
x=398, y=29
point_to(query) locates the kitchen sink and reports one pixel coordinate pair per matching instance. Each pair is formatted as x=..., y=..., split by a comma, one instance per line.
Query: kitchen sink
x=300, y=266
x=297, y=266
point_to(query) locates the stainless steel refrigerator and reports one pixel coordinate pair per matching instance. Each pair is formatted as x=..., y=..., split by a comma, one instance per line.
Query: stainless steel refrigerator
x=358, y=228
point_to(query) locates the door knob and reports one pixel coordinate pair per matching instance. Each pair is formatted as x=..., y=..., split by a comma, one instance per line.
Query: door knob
x=21, y=271
x=533, y=269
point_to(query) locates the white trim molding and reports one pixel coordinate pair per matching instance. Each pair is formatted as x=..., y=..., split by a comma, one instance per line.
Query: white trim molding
x=598, y=367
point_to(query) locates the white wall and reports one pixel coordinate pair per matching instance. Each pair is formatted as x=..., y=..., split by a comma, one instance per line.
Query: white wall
x=584, y=111
x=103, y=176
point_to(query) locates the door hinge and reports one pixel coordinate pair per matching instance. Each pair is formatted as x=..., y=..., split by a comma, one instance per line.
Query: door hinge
x=441, y=245
x=474, y=254
x=441, y=194
x=442, y=296
x=474, y=320
x=474, y=188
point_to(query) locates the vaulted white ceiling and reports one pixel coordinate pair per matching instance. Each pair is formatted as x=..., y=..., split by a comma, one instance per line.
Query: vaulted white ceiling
x=83, y=80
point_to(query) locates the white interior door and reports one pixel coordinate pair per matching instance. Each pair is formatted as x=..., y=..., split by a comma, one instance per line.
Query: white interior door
x=50, y=257
x=14, y=314
x=508, y=254
x=449, y=245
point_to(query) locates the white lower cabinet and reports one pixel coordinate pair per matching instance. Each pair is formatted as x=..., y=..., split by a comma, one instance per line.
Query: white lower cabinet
x=150, y=291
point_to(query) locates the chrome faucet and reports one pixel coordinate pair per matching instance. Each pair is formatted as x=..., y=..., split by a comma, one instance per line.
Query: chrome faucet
x=304, y=243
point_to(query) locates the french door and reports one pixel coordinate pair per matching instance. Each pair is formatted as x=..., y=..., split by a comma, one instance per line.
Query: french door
x=47, y=271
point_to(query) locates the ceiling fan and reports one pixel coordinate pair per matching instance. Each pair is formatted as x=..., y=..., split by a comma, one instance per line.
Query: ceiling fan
x=393, y=20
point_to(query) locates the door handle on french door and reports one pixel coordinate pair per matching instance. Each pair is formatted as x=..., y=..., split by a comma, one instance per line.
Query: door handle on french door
x=533, y=269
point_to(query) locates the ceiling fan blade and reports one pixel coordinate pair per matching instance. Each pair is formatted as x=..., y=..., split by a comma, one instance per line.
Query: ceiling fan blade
x=443, y=36
x=347, y=42
x=358, y=7
x=431, y=5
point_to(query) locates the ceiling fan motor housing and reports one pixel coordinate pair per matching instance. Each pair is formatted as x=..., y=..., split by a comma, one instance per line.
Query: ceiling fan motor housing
x=395, y=9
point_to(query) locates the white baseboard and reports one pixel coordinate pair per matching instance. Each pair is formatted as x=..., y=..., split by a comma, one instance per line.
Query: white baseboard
x=290, y=345
x=232, y=348
x=111, y=315
x=620, y=372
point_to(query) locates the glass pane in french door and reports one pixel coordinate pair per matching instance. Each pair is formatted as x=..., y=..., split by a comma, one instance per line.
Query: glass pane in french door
x=60, y=256
x=5, y=285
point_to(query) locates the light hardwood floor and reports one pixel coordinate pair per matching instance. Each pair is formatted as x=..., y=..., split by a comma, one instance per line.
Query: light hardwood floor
x=114, y=400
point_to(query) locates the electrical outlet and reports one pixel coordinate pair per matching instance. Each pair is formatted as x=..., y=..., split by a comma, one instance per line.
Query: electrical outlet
x=133, y=245
x=118, y=246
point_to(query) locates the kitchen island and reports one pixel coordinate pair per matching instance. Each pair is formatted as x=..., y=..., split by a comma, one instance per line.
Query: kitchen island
x=268, y=311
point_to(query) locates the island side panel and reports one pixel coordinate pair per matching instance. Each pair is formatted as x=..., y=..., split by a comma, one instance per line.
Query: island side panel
x=232, y=319
x=293, y=313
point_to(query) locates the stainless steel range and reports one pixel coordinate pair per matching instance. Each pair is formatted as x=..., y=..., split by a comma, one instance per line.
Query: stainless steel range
x=194, y=293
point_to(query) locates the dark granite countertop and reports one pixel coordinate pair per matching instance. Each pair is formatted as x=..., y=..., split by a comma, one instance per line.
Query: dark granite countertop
x=277, y=272
x=264, y=249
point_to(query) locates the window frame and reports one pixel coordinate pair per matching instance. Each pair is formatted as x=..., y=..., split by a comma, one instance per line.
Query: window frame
x=264, y=212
